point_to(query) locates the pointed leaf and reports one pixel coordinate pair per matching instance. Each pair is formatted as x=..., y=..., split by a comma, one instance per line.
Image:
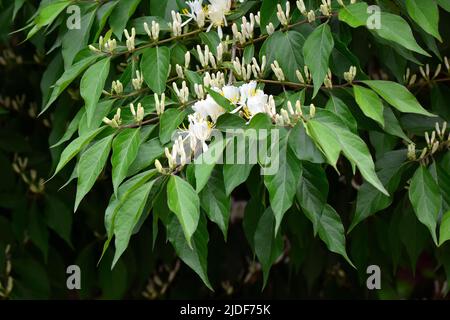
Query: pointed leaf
x=184, y=202
x=92, y=84
x=90, y=165
x=125, y=149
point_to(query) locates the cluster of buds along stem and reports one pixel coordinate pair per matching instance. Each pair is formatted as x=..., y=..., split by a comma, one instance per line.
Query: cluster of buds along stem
x=426, y=73
x=291, y=115
x=279, y=74
x=304, y=79
x=247, y=28
x=109, y=46
x=138, y=81
x=199, y=91
x=138, y=114
x=178, y=152
x=258, y=70
x=410, y=79
x=350, y=75
x=301, y=7
x=435, y=141
x=325, y=7
x=35, y=184
x=115, y=122
x=243, y=70
x=160, y=103
x=214, y=80
x=153, y=33
x=179, y=71
x=182, y=93
x=270, y=107
x=116, y=87
x=270, y=28
x=328, y=81
x=176, y=23
x=311, y=16
x=5, y=290
x=283, y=16
x=130, y=42
x=204, y=56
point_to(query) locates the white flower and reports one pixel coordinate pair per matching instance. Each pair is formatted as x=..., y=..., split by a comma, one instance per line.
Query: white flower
x=208, y=107
x=196, y=12
x=199, y=130
x=257, y=102
x=247, y=90
x=232, y=93
x=216, y=14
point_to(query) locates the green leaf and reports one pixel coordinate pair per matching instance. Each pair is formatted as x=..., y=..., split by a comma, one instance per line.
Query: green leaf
x=237, y=172
x=355, y=15
x=116, y=202
x=444, y=231
x=128, y=216
x=102, y=110
x=216, y=202
x=302, y=145
x=425, y=198
x=444, y=4
x=205, y=163
x=76, y=39
x=338, y=107
x=392, y=126
x=90, y=165
x=125, y=148
x=67, y=77
x=282, y=185
x=195, y=255
x=47, y=14
x=71, y=129
x=312, y=192
x=184, y=202
x=169, y=122
x=162, y=8
x=332, y=136
x=269, y=14
x=426, y=14
x=92, y=84
x=286, y=48
x=332, y=232
x=370, y=104
x=317, y=50
x=155, y=68
x=147, y=154
x=397, y=96
x=392, y=27
x=369, y=200
x=220, y=100
x=120, y=16
x=267, y=247
x=74, y=147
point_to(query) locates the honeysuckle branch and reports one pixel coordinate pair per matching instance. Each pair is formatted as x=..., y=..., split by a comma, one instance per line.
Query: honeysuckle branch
x=286, y=28
x=302, y=85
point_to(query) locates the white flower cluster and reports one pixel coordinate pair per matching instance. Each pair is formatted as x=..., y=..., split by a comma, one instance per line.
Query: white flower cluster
x=215, y=13
x=248, y=101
